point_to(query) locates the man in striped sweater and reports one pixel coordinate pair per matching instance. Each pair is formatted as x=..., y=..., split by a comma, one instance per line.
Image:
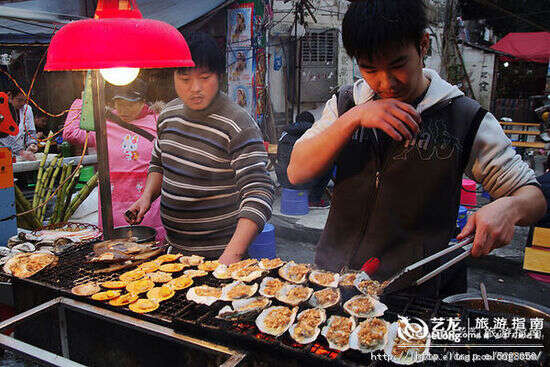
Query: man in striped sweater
x=208, y=164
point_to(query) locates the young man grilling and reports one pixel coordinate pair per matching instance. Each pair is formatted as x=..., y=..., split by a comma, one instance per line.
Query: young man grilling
x=402, y=138
x=208, y=164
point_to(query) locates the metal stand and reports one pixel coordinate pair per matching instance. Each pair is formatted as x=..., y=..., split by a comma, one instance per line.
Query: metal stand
x=98, y=97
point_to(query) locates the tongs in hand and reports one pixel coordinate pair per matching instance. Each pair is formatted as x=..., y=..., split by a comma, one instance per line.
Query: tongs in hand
x=437, y=255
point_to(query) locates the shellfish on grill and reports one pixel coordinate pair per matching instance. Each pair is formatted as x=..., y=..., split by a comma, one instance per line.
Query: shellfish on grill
x=325, y=298
x=24, y=247
x=337, y=332
x=269, y=287
x=86, y=289
x=294, y=273
x=370, y=335
x=192, y=260
x=294, y=294
x=270, y=264
x=222, y=272
x=242, y=264
x=306, y=329
x=407, y=352
x=238, y=290
x=367, y=286
x=276, y=320
x=248, y=274
x=364, y=306
x=244, y=309
x=204, y=294
x=324, y=278
x=209, y=265
x=347, y=279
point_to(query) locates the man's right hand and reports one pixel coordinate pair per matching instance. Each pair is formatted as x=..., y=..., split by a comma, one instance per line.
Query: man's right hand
x=397, y=119
x=138, y=209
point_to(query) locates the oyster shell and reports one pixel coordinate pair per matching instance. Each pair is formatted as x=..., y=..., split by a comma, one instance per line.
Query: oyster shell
x=347, y=279
x=4, y=251
x=248, y=274
x=276, y=320
x=396, y=348
x=294, y=273
x=243, y=309
x=324, y=278
x=222, y=272
x=325, y=298
x=269, y=287
x=370, y=335
x=365, y=306
x=238, y=290
x=242, y=264
x=294, y=294
x=367, y=286
x=24, y=247
x=204, y=294
x=337, y=332
x=270, y=264
x=306, y=329
x=192, y=260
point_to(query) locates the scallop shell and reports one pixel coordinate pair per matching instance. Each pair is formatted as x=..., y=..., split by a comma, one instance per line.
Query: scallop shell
x=260, y=321
x=314, y=301
x=205, y=300
x=255, y=273
x=222, y=272
x=225, y=290
x=266, y=263
x=239, y=311
x=345, y=279
x=362, y=276
x=411, y=356
x=263, y=285
x=354, y=338
x=330, y=342
x=14, y=240
x=24, y=247
x=312, y=338
x=332, y=284
x=282, y=295
x=192, y=260
x=4, y=251
x=283, y=273
x=377, y=311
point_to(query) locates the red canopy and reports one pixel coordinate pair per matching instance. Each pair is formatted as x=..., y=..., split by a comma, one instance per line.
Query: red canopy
x=533, y=46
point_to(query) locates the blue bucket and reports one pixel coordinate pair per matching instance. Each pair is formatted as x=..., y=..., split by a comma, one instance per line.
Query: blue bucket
x=264, y=244
x=462, y=217
x=294, y=202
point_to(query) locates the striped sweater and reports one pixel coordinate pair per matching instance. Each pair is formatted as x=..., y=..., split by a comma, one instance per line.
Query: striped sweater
x=213, y=163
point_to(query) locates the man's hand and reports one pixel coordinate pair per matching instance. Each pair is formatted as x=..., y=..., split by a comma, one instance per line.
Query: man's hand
x=228, y=258
x=397, y=119
x=493, y=226
x=138, y=209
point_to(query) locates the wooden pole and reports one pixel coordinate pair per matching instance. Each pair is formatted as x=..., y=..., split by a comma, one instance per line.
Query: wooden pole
x=100, y=126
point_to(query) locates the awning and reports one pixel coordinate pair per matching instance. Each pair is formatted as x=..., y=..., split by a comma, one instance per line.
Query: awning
x=527, y=46
x=15, y=30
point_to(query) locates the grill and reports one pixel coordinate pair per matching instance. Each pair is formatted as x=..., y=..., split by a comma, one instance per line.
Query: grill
x=200, y=320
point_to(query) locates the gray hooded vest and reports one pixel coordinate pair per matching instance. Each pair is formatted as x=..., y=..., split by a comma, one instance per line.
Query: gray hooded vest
x=399, y=202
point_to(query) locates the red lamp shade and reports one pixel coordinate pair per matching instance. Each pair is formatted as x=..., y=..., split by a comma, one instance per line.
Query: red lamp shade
x=117, y=42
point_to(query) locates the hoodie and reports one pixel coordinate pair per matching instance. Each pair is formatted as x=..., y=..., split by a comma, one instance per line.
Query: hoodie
x=398, y=201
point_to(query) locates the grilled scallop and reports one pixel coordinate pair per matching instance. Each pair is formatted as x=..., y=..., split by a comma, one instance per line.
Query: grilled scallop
x=244, y=309
x=106, y=295
x=144, y=305
x=294, y=294
x=204, y=294
x=370, y=335
x=87, y=289
x=276, y=320
x=124, y=300
x=160, y=294
x=294, y=273
x=192, y=260
x=337, y=332
x=306, y=329
x=325, y=298
x=324, y=278
x=269, y=287
x=238, y=290
x=270, y=264
x=364, y=307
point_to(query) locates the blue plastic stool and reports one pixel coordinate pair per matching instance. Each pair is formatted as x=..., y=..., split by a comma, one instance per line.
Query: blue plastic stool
x=294, y=202
x=264, y=244
x=462, y=217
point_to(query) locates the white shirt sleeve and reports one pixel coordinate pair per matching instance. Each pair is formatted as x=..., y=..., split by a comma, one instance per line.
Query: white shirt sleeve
x=30, y=133
x=330, y=114
x=494, y=163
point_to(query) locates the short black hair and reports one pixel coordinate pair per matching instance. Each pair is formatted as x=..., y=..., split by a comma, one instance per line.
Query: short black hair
x=205, y=53
x=371, y=27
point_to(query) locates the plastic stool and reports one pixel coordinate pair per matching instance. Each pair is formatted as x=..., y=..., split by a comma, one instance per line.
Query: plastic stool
x=264, y=244
x=294, y=202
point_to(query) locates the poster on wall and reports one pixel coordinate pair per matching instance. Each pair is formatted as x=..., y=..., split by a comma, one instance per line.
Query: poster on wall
x=243, y=95
x=240, y=64
x=239, y=25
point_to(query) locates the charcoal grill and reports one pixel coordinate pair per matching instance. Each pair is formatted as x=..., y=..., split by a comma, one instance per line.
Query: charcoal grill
x=200, y=322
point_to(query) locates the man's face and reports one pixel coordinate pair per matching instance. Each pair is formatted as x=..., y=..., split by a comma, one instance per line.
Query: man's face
x=17, y=101
x=396, y=73
x=128, y=111
x=197, y=87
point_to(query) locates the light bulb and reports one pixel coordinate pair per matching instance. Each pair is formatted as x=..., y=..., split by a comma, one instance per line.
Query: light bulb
x=119, y=76
x=506, y=64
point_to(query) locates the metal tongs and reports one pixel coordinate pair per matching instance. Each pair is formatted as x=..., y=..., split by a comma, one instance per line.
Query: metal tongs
x=430, y=275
